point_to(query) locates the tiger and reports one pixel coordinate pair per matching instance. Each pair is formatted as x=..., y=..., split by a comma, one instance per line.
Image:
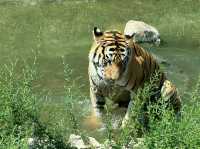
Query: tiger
x=117, y=67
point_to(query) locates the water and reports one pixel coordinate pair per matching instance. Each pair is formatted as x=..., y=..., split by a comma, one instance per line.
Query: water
x=61, y=29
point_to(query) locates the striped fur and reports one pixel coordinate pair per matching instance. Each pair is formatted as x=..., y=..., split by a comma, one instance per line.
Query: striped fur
x=117, y=66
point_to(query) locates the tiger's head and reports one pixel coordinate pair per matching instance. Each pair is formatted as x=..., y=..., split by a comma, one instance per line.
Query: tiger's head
x=111, y=53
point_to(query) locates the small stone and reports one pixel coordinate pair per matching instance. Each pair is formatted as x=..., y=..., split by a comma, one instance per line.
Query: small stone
x=94, y=143
x=32, y=142
x=139, y=144
x=108, y=144
x=77, y=142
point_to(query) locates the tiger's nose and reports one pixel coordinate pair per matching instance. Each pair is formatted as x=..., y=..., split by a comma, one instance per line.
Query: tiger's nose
x=117, y=58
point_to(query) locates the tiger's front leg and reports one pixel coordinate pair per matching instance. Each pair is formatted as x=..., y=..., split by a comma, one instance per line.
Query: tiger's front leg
x=98, y=101
x=127, y=115
x=94, y=121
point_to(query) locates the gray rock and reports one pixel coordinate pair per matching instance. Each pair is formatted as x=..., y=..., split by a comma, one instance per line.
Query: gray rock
x=142, y=32
x=94, y=143
x=77, y=142
x=32, y=142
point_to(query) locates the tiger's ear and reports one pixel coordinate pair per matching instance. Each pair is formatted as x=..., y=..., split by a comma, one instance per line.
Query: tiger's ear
x=97, y=34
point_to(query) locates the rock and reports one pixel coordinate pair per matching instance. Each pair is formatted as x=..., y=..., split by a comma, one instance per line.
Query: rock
x=32, y=142
x=142, y=32
x=94, y=143
x=77, y=142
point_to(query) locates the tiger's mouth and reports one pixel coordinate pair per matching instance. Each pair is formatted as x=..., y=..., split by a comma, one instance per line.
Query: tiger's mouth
x=112, y=71
x=109, y=71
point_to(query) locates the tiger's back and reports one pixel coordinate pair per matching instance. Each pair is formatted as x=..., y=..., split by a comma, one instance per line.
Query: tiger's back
x=140, y=68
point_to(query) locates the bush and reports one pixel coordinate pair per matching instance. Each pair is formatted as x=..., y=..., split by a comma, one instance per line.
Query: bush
x=20, y=110
x=17, y=104
x=20, y=117
x=172, y=133
x=164, y=130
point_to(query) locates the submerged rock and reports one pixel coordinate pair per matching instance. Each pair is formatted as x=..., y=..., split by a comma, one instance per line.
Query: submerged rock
x=142, y=32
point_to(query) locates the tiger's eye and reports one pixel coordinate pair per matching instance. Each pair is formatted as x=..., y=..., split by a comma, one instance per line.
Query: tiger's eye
x=122, y=50
x=111, y=49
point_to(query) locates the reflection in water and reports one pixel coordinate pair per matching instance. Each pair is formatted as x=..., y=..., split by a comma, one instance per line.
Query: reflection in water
x=92, y=122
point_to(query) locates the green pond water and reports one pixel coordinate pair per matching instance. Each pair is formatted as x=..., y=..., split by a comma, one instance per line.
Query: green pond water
x=62, y=29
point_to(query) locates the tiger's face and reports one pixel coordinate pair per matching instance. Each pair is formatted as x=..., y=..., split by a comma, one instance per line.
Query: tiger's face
x=111, y=53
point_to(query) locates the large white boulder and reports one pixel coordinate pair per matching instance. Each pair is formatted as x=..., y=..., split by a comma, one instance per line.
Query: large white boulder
x=142, y=32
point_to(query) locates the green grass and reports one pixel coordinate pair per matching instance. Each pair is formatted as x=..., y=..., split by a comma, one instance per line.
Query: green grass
x=23, y=108
x=184, y=133
x=21, y=112
x=65, y=29
x=18, y=105
x=166, y=131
